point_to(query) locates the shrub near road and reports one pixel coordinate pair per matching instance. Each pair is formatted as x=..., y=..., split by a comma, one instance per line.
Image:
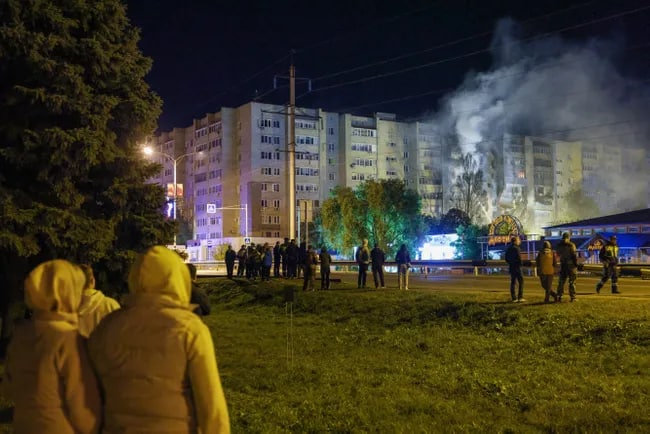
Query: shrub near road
x=429, y=361
x=389, y=361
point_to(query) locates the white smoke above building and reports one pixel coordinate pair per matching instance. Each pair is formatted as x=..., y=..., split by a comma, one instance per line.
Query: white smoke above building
x=552, y=88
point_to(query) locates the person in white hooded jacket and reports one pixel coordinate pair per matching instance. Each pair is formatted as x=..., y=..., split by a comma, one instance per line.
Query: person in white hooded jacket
x=47, y=373
x=155, y=358
x=94, y=304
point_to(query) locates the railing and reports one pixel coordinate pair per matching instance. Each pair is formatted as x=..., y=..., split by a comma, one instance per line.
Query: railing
x=436, y=267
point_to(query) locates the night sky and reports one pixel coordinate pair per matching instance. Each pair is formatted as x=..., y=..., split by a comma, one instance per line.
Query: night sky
x=209, y=54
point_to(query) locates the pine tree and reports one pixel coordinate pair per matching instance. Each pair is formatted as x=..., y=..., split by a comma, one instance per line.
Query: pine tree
x=74, y=106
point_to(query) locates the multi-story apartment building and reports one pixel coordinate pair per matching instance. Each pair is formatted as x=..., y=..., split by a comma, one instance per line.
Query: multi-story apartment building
x=234, y=184
x=233, y=167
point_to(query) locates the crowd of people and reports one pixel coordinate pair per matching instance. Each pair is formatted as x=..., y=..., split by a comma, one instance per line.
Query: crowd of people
x=547, y=262
x=80, y=363
x=292, y=261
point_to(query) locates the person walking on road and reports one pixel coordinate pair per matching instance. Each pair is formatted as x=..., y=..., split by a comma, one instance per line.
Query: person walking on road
x=609, y=257
x=378, y=257
x=403, y=260
x=513, y=258
x=567, y=252
x=546, y=264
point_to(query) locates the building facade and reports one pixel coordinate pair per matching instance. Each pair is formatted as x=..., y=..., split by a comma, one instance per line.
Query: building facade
x=232, y=170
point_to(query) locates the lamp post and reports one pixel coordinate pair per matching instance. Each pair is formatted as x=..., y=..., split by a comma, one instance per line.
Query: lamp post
x=148, y=151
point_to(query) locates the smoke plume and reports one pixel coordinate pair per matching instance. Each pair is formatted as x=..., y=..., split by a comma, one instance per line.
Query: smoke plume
x=555, y=89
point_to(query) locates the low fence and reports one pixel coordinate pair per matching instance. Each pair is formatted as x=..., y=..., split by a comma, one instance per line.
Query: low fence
x=434, y=268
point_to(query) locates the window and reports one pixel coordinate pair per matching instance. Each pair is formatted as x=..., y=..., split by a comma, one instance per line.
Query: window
x=406, y=154
x=364, y=132
x=271, y=140
x=306, y=171
x=330, y=131
x=276, y=187
x=305, y=124
x=363, y=147
x=331, y=147
x=364, y=162
x=331, y=177
x=305, y=140
x=270, y=155
x=265, y=203
x=276, y=203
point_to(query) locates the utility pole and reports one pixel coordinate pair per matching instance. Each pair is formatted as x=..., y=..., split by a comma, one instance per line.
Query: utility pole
x=290, y=148
x=291, y=151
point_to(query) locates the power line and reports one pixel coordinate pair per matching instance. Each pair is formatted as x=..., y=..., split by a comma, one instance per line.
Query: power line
x=395, y=18
x=504, y=76
x=473, y=53
x=443, y=45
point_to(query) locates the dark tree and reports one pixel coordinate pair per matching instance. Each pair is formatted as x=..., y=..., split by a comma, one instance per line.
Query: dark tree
x=74, y=106
x=384, y=211
x=468, y=191
x=454, y=218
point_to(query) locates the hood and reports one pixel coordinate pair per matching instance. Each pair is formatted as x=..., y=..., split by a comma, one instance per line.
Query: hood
x=91, y=299
x=160, y=271
x=55, y=286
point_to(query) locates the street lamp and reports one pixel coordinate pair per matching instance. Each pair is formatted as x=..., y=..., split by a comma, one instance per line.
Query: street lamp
x=148, y=151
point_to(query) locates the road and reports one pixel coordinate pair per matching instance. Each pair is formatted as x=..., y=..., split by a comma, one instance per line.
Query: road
x=633, y=287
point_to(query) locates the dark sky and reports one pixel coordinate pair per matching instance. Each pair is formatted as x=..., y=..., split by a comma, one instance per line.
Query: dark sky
x=209, y=54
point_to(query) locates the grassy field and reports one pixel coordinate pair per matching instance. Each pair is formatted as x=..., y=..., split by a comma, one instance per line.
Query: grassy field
x=428, y=361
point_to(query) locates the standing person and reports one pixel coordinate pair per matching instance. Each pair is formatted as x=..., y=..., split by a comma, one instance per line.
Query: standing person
x=230, y=258
x=276, y=259
x=241, y=261
x=378, y=257
x=155, y=359
x=513, y=258
x=325, y=262
x=609, y=257
x=48, y=375
x=199, y=300
x=567, y=252
x=284, y=262
x=546, y=264
x=403, y=260
x=94, y=304
x=311, y=260
x=267, y=262
x=252, y=261
x=363, y=260
x=302, y=257
x=292, y=259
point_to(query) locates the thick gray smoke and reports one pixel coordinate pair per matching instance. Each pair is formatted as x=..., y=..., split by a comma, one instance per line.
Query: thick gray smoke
x=551, y=88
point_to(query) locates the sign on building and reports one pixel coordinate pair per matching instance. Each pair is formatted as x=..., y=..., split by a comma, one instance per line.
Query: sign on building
x=211, y=208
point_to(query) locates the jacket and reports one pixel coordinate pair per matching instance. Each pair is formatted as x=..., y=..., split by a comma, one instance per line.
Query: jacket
x=363, y=254
x=378, y=257
x=608, y=255
x=48, y=374
x=155, y=359
x=403, y=257
x=513, y=257
x=94, y=307
x=567, y=252
x=545, y=261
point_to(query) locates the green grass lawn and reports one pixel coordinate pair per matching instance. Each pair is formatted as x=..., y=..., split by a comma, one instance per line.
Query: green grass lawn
x=428, y=361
